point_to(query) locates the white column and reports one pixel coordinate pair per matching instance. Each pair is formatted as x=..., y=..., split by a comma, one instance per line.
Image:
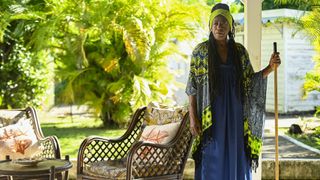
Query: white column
x=252, y=31
x=252, y=41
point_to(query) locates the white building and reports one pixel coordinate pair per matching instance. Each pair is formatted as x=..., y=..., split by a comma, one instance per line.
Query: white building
x=296, y=53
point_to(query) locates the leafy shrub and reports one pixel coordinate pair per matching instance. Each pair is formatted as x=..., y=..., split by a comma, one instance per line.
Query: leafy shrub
x=23, y=79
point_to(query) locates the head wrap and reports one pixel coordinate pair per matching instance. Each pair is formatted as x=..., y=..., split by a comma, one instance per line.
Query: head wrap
x=224, y=13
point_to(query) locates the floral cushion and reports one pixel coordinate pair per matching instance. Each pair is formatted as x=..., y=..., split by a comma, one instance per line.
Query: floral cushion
x=157, y=134
x=160, y=134
x=111, y=169
x=19, y=140
x=159, y=115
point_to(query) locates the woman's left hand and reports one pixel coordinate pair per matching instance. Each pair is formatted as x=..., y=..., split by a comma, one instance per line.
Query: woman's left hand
x=275, y=61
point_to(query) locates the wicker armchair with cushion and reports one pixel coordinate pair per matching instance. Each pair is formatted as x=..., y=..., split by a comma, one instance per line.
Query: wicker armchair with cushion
x=155, y=146
x=21, y=136
x=49, y=145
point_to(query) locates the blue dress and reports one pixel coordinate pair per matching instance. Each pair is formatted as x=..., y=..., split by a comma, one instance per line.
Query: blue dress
x=223, y=156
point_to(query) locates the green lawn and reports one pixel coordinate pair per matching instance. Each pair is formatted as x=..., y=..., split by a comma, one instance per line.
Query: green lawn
x=311, y=139
x=72, y=131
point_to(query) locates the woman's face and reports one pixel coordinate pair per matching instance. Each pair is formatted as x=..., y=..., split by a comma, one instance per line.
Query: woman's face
x=220, y=28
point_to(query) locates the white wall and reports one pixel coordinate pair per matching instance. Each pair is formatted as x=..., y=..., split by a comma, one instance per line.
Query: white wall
x=299, y=55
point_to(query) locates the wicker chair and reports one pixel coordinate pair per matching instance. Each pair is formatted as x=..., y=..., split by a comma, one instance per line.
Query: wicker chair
x=125, y=158
x=51, y=148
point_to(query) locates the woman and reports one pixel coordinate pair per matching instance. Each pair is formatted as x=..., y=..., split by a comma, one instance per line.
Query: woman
x=227, y=102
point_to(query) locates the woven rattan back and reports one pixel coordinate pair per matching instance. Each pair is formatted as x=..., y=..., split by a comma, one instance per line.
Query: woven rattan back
x=101, y=149
x=163, y=160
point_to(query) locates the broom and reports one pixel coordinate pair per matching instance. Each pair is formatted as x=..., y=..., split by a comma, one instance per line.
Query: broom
x=276, y=116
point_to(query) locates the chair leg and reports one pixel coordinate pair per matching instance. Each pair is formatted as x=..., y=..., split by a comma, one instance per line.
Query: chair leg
x=66, y=175
x=52, y=173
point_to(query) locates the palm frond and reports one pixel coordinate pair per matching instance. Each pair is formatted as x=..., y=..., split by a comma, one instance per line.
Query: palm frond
x=4, y=23
x=136, y=40
x=311, y=24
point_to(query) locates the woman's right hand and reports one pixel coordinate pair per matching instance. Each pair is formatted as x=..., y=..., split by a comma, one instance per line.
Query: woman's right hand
x=195, y=126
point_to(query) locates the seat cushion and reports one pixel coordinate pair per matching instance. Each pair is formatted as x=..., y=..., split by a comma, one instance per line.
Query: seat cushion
x=116, y=169
x=111, y=169
x=19, y=140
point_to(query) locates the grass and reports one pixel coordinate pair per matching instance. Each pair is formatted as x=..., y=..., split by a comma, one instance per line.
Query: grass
x=71, y=131
x=311, y=138
x=311, y=135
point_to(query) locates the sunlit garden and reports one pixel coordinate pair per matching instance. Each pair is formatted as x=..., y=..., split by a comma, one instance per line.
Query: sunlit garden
x=114, y=56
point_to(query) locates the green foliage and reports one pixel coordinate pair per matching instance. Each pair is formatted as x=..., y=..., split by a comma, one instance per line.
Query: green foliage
x=212, y=2
x=110, y=55
x=22, y=79
x=317, y=114
x=235, y=6
x=23, y=74
x=312, y=139
x=318, y=133
x=311, y=132
x=300, y=3
x=113, y=55
x=312, y=82
x=311, y=24
x=274, y=4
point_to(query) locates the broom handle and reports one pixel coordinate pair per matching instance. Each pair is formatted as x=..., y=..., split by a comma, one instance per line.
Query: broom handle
x=276, y=116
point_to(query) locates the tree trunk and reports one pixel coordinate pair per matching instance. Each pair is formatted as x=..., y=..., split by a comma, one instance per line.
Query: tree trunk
x=106, y=117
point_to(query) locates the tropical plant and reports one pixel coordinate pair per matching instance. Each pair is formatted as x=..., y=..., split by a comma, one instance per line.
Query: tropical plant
x=311, y=24
x=23, y=74
x=303, y=4
x=271, y=4
x=22, y=80
x=112, y=55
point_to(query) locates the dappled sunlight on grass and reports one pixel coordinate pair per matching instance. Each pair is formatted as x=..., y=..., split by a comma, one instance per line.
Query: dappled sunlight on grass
x=72, y=131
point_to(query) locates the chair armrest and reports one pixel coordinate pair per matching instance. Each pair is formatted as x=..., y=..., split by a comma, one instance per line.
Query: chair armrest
x=51, y=147
x=104, y=149
x=95, y=148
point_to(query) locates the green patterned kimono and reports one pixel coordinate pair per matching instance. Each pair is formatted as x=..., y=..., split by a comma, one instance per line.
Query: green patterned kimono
x=253, y=106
